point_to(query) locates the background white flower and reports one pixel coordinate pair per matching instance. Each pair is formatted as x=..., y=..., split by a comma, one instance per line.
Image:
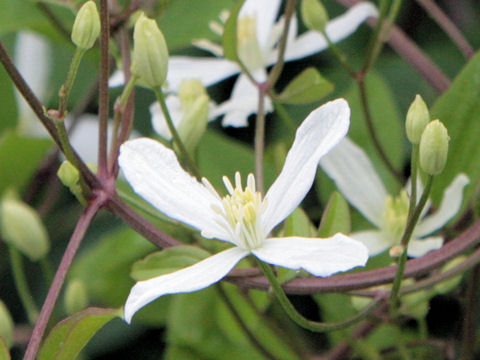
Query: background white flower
x=353, y=173
x=241, y=218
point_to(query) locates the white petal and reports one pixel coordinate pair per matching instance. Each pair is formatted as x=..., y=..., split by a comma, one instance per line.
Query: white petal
x=353, y=173
x=208, y=70
x=451, y=203
x=117, y=79
x=154, y=173
x=159, y=123
x=190, y=279
x=375, y=241
x=265, y=13
x=33, y=59
x=419, y=247
x=337, y=29
x=320, y=257
x=242, y=103
x=319, y=133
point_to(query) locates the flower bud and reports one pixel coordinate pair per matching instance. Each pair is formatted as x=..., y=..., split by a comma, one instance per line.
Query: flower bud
x=6, y=325
x=150, y=53
x=314, y=15
x=70, y=177
x=418, y=117
x=21, y=227
x=434, y=148
x=86, y=27
x=75, y=298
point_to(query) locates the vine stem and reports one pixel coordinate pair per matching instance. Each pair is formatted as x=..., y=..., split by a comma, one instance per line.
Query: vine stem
x=407, y=234
x=302, y=321
x=413, y=179
x=62, y=270
x=260, y=141
x=67, y=87
x=22, y=286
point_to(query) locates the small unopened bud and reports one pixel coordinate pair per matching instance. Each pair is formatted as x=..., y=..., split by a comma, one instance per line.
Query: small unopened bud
x=434, y=148
x=86, y=27
x=314, y=15
x=21, y=227
x=194, y=102
x=150, y=53
x=418, y=117
x=6, y=325
x=75, y=298
x=396, y=251
x=70, y=177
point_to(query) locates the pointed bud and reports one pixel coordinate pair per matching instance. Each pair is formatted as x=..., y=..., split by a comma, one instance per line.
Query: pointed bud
x=314, y=15
x=194, y=102
x=75, y=298
x=21, y=227
x=434, y=148
x=418, y=117
x=150, y=53
x=86, y=27
x=6, y=325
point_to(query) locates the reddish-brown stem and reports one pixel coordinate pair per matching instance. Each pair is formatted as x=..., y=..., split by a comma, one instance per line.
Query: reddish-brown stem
x=407, y=49
x=448, y=26
x=103, y=89
x=47, y=308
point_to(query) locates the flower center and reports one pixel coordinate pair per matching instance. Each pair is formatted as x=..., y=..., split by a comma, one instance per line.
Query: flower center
x=242, y=210
x=395, y=215
x=248, y=47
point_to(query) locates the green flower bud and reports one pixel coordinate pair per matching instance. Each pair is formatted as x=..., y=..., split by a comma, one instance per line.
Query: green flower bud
x=194, y=102
x=6, y=325
x=150, y=53
x=70, y=177
x=86, y=27
x=76, y=297
x=21, y=227
x=314, y=15
x=418, y=117
x=434, y=148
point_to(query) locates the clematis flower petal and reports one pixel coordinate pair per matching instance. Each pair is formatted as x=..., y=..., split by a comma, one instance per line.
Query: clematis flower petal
x=243, y=102
x=208, y=70
x=451, y=203
x=320, y=257
x=353, y=173
x=337, y=29
x=158, y=119
x=375, y=241
x=265, y=13
x=319, y=133
x=419, y=247
x=154, y=173
x=189, y=279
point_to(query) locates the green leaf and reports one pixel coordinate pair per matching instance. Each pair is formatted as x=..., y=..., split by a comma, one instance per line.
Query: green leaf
x=20, y=157
x=230, y=38
x=307, y=87
x=336, y=217
x=299, y=224
x=459, y=109
x=69, y=336
x=4, y=353
x=167, y=261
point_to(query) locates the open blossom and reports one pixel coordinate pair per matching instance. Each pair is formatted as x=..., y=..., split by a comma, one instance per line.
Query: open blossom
x=258, y=35
x=243, y=218
x=353, y=173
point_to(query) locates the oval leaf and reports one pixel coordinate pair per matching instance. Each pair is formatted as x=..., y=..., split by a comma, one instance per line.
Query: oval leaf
x=336, y=217
x=229, y=40
x=70, y=335
x=4, y=353
x=307, y=87
x=167, y=261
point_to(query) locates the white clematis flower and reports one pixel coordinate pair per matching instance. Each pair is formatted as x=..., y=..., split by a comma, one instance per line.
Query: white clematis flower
x=353, y=173
x=242, y=218
x=258, y=36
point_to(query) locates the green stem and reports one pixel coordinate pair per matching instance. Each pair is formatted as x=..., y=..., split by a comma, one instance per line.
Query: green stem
x=260, y=142
x=176, y=137
x=412, y=221
x=22, y=286
x=67, y=87
x=413, y=179
x=302, y=321
x=339, y=55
